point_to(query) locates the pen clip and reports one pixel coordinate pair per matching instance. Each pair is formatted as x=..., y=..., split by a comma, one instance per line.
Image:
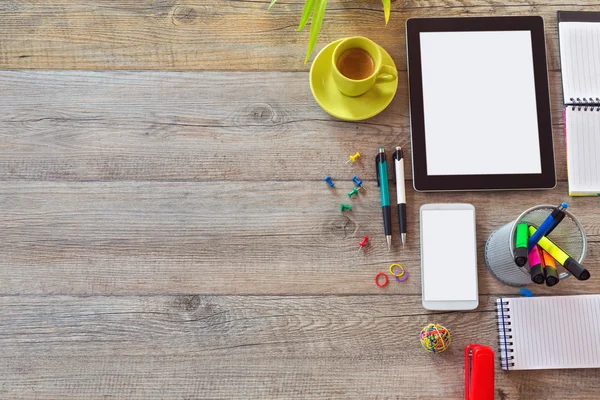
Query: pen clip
x=395, y=158
x=377, y=159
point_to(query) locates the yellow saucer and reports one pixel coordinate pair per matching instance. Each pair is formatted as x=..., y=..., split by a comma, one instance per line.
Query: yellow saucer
x=343, y=107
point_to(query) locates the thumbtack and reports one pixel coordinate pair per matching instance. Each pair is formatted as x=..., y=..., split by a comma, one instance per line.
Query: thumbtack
x=329, y=181
x=353, y=158
x=357, y=182
x=345, y=207
x=363, y=242
x=353, y=192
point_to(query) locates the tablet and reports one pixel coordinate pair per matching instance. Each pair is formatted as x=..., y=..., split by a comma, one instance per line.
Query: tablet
x=479, y=104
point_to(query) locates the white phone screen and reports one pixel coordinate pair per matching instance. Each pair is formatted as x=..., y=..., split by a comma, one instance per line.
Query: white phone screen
x=449, y=255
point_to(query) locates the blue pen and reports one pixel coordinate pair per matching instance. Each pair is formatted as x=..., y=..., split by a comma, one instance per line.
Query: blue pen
x=548, y=225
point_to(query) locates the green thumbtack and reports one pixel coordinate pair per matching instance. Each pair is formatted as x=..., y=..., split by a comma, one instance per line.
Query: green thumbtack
x=345, y=207
x=353, y=192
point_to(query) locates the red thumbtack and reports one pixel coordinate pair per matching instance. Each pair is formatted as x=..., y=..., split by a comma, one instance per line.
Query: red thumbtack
x=363, y=242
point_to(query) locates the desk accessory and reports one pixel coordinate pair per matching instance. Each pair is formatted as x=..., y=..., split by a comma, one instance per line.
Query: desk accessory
x=550, y=272
x=329, y=181
x=521, y=237
x=347, y=108
x=398, y=175
x=385, y=279
x=401, y=276
x=479, y=372
x=363, y=242
x=353, y=158
x=579, y=40
x=547, y=226
x=536, y=271
x=522, y=322
x=464, y=73
x=500, y=247
x=384, y=190
x=435, y=338
x=562, y=257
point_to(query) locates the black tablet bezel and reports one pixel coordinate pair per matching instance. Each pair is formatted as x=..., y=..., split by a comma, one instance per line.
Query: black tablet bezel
x=424, y=182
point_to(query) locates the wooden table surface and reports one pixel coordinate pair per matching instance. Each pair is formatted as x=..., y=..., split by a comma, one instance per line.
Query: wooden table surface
x=164, y=226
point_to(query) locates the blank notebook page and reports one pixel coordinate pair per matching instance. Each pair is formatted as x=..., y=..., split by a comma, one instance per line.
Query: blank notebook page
x=580, y=60
x=551, y=332
x=583, y=150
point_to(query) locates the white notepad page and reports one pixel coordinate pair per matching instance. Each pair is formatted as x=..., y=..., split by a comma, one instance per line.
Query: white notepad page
x=580, y=60
x=479, y=102
x=553, y=332
x=583, y=150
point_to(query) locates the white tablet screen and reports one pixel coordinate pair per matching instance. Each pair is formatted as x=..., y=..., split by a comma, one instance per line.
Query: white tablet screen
x=449, y=255
x=479, y=103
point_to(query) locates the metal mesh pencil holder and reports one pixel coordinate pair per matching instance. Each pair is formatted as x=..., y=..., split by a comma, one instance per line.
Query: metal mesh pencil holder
x=500, y=246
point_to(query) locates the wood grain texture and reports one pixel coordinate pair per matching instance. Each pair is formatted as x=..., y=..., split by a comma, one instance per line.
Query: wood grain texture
x=193, y=126
x=226, y=347
x=167, y=234
x=218, y=34
x=232, y=238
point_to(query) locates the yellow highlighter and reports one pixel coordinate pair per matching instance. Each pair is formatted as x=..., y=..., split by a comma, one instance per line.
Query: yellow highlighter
x=571, y=265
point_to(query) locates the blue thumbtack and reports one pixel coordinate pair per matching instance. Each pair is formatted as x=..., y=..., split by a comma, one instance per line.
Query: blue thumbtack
x=526, y=292
x=357, y=182
x=329, y=181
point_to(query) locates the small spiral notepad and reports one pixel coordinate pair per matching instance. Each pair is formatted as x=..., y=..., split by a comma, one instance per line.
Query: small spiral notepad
x=549, y=332
x=579, y=34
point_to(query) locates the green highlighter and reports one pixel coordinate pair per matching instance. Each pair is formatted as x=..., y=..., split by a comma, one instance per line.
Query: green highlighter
x=521, y=237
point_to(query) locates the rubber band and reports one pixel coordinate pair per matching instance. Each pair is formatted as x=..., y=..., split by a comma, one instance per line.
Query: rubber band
x=399, y=267
x=385, y=282
x=402, y=278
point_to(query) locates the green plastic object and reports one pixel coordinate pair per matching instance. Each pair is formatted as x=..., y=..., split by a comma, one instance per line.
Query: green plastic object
x=521, y=236
x=353, y=192
x=345, y=207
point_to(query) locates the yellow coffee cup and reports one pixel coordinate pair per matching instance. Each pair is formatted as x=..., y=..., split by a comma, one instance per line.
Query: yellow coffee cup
x=356, y=87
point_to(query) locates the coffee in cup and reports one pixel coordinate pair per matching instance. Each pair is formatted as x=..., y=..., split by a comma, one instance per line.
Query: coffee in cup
x=357, y=66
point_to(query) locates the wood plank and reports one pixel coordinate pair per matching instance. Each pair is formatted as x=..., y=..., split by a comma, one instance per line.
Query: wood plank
x=222, y=347
x=192, y=126
x=233, y=238
x=213, y=34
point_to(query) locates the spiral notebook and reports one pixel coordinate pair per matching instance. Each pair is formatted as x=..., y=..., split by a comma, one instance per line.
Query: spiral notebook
x=579, y=37
x=549, y=332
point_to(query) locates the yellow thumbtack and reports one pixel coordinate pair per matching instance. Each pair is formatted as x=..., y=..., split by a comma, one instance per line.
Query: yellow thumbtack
x=353, y=158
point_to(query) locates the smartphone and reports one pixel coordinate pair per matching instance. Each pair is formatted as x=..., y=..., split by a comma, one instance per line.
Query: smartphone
x=448, y=257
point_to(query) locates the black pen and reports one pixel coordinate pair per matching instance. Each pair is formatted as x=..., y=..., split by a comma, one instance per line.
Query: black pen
x=398, y=173
x=384, y=190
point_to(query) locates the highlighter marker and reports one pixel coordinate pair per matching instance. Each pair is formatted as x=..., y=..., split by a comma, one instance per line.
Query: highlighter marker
x=550, y=272
x=521, y=236
x=535, y=266
x=571, y=265
x=557, y=215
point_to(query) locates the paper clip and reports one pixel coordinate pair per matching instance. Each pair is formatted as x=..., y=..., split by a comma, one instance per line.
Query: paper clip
x=353, y=157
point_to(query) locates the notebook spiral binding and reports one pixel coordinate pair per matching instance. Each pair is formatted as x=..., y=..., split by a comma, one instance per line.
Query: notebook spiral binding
x=505, y=343
x=584, y=104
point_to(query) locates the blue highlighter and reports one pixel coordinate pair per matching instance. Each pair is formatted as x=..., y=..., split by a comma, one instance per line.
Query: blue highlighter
x=547, y=226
